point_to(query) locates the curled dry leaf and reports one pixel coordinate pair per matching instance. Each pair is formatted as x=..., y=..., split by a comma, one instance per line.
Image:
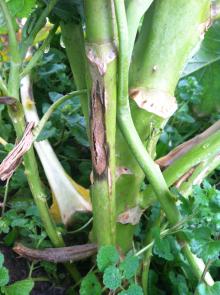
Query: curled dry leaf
x=14, y=158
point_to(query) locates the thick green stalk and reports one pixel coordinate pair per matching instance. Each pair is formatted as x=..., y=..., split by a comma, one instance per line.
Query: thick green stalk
x=101, y=58
x=151, y=170
x=208, y=148
x=135, y=9
x=144, y=160
x=73, y=39
x=154, y=52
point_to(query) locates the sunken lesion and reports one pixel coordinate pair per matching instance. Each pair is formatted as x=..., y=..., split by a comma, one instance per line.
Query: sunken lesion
x=98, y=131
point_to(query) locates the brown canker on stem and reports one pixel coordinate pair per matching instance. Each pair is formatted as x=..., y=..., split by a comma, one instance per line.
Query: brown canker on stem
x=99, y=56
x=98, y=131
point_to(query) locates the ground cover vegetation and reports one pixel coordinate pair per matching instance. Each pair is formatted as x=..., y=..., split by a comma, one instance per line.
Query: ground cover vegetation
x=109, y=147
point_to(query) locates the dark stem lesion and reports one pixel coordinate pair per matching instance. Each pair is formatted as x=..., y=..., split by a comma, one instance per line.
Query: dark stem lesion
x=98, y=130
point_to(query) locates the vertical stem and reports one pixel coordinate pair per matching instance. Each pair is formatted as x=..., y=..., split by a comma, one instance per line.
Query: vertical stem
x=150, y=169
x=147, y=255
x=153, y=80
x=135, y=9
x=73, y=39
x=101, y=57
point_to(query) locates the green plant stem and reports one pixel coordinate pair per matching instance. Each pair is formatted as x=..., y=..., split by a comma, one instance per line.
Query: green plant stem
x=152, y=225
x=101, y=58
x=208, y=148
x=135, y=9
x=150, y=169
x=155, y=67
x=39, y=53
x=72, y=34
x=37, y=130
x=13, y=82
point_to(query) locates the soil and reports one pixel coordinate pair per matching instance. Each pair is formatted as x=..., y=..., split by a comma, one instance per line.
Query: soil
x=18, y=270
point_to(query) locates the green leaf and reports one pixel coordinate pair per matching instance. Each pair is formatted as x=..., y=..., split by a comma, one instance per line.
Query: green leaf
x=132, y=290
x=203, y=245
x=21, y=8
x=4, y=226
x=112, y=278
x=107, y=256
x=20, y=222
x=4, y=276
x=19, y=288
x=129, y=267
x=208, y=53
x=179, y=284
x=162, y=248
x=90, y=285
x=205, y=66
x=203, y=289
